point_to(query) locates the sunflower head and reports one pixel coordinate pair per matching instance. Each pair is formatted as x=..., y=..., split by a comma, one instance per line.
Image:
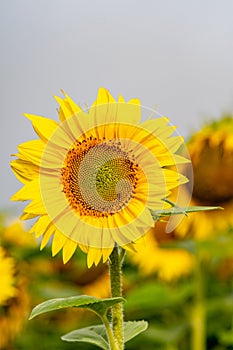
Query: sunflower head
x=211, y=152
x=94, y=178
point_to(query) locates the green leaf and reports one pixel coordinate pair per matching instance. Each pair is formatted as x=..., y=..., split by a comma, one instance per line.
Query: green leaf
x=99, y=306
x=175, y=210
x=97, y=335
x=133, y=328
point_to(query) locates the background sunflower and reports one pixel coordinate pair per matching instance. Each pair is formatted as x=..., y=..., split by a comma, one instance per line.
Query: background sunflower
x=211, y=152
x=14, y=297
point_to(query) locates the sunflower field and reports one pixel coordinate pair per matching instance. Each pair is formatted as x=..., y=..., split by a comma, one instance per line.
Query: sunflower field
x=177, y=283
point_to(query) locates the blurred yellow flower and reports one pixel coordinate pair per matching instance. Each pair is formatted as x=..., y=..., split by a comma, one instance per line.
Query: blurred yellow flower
x=151, y=258
x=15, y=233
x=94, y=178
x=14, y=314
x=7, y=277
x=14, y=300
x=100, y=287
x=211, y=152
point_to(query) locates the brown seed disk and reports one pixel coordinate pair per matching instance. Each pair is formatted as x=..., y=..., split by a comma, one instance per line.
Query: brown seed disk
x=99, y=178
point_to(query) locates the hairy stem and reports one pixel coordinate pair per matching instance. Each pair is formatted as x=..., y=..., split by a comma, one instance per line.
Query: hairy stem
x=115, y=264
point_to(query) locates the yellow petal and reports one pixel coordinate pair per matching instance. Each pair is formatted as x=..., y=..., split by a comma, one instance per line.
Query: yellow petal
x=31, y=151
x=42, y=224
x=68, y=250
x=104, y=109
x=83, y=248
x=28, y=216
x=179, y=159
x=121, y=99
x=106, y=252
x=46, y=238
x=173, y=178
x=66, y=221
x=72, y=105
x=58, y=242
x=67, y=107
x=78, y=125
x=174, y=143
x=131, y=247
x=107, y=239
x=93, y=257
x=154, y=124
x=33, y=228
x=145, y=219
x=44, y=127
x=164, y=133
x=103, y=97
x=61, y=139
x=129, y=112
x=36, y=207
x=30, y=191
x=24, y=170
x=129, y=233
x=64, y=111
x=134, y=101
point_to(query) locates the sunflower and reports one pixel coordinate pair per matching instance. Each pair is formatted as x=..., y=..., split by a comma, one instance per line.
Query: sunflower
x=7, y=271
x=14, y=300
x=94, y=177
x=14, y=313
x=211, y=152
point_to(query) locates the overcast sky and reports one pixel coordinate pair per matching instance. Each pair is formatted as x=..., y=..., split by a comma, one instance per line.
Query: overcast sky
x=177, y=54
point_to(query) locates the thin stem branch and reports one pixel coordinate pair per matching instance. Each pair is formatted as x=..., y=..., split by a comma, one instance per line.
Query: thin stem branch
x=116, y=291
x=198, y=321
x=109, y=332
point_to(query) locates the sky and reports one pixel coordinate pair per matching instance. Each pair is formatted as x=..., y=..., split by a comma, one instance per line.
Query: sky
x=177, y=55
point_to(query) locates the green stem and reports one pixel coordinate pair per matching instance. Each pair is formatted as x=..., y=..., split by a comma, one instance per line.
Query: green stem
x=171, y=347
x=198, y=321
x=109, y=333
x=116, y=291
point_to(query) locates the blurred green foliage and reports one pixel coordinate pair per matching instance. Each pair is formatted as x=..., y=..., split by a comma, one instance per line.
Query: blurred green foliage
x=168, y=307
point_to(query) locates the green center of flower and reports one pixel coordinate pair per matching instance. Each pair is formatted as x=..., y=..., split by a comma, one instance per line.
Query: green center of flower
x=109, y=176
x=99, y=178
